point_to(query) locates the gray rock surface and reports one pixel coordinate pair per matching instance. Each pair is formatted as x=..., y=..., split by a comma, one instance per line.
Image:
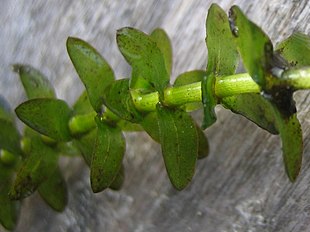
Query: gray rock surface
x=241, y=186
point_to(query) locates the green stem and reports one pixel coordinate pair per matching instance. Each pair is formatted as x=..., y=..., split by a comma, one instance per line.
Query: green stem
x=297, y=78
x=176, y=96
x=224, y=87
x=80, y=124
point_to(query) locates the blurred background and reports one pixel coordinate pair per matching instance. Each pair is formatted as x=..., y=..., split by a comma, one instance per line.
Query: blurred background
x=241, y=186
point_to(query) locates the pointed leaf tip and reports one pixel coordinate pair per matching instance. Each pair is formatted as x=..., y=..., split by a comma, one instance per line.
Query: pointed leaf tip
x=36, y=85
x=147, y=60
x=93, y=70
x=179, y=142
x=47, y=116
x=107, y=157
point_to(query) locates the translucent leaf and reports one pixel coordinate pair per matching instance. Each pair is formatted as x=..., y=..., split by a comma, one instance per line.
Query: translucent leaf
x=146, y=59
x=9, y=209
x=295, y=49
x=93, y=70
x=254, y=107
x=179, y=143
x=35, y=83
x=118, y=99
x=255, y=47
x=47, y=116
x=37, y=167
x=163, y=42
x=107, y=156
x=222, y=59
x=54, y=191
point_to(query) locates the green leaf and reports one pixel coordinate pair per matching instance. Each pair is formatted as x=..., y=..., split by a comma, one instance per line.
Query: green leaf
x=203, y=144
x=118, y=99
x=150, y=125
x=68, y=149
x=163, y=42
x=6, y=112
x=9, y=136
x=82, y=105
x=179, y=143
x=47, y=116
x=9, y=210
x=93, y=70
x=255, y=47
x=107, y=157
x=292, y=145
x=119, y=180
x=222, y=59
x=35, y=83
x=189, y=78
x=37, y=167
x=147, y=61
x=254, y=107
x=295, y=49
x=86, y=145
x=54, y=191
x=129, y=126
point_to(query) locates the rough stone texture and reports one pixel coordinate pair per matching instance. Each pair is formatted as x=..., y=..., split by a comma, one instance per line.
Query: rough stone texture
x=241, y=186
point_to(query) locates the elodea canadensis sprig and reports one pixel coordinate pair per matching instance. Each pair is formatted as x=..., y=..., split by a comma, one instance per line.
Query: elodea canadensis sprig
x=93, y=127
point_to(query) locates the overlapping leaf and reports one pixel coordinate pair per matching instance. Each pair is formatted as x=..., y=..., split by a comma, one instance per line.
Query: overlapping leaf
x=93, y=70
x=9, y=136
x=9, y=210
x=35, y=83
x=258, y=57
x=203, y=144
x=292, y=143
x=150, y=125
x=295, y=50
x=118, y=99
x=222, y=59
x=119, y=180
x=54, y=191
x=257, y=52
x=146, y=59
x=6, y=112
x=163, y=42
x=82, y=105
x=85, y=144
x=47, y=116
x=179, y=141
x=37, y=167
x=254, y=107
x=107, y=157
